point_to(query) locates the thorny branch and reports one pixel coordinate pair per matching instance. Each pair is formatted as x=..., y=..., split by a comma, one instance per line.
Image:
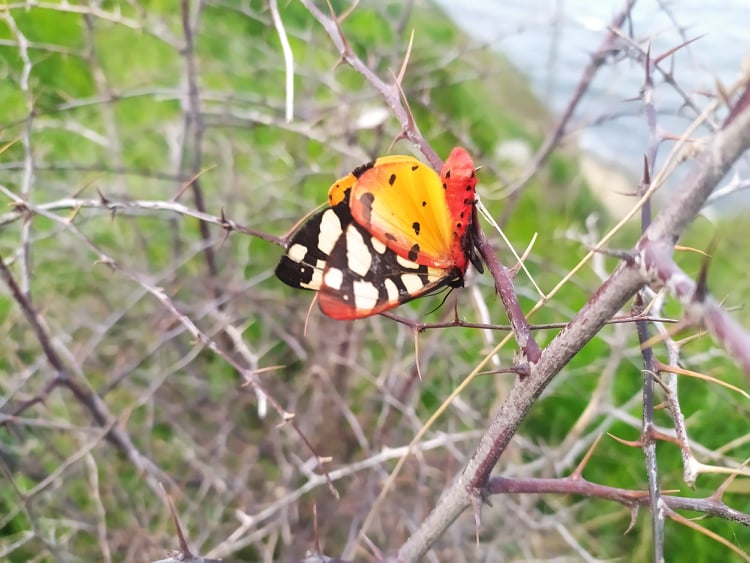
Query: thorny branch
x=627, y=497
x=22, y=211
x=249, y=375
x=652, y=261
x=648, y=442
x=410, y=130
x=191, y=154
x=62, y=376
x=621, y=286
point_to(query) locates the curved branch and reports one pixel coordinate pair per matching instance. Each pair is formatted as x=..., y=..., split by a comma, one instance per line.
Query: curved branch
x=713, y=162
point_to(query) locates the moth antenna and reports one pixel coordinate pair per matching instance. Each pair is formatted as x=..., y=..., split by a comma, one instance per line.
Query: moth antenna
x=445, y=298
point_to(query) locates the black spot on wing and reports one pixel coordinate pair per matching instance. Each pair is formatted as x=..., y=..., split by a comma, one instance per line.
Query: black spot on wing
x=333, y=190
x=392, y=180
x=413, y=253
x=416, y=227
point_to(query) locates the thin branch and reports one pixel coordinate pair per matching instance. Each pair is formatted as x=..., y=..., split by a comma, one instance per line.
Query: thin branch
x=598, y=59
x=709, y=506
x=286, y=49
x=22, y=210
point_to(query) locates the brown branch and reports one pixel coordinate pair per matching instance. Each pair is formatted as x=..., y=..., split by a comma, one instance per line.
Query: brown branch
x=249, y=376
x=504, y=288
x=62, y=376
x=654, y=247
x=22, y=210
x=709, y=506
x=192, y=135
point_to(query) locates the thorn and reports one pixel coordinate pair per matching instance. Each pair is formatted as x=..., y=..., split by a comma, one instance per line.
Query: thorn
x=224, y=238
x=578, y=471
x=625, y=255
x=309, y=314
x=675, y=49
x=701, y=285
x=722, y=92
x=680, y=248
x=741, y=105
x=410, y=123
x=348, y=11
x=633, y=518
x=631, y=443
x=646, y=181
x=416, y=352
x=407, y=56
x=626, y=194
x=103, y=199
x=648, y=82
x=20, y=206
x=680, y=371
x=184, y=552
x=521, y=370
x=718, y=494
x=316, y=537
x=477, y=501
x=656, y=435
x=347, y=50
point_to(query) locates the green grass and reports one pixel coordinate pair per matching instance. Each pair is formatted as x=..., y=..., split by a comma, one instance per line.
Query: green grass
x=185, y=408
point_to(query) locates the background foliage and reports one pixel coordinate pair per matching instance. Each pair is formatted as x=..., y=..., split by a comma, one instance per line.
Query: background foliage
x=112, y=121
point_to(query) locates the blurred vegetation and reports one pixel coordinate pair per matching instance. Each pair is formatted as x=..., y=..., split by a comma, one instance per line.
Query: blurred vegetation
x=109, y=117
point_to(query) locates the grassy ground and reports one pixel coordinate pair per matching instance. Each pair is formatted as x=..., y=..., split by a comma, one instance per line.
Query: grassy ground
x=112, y=123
